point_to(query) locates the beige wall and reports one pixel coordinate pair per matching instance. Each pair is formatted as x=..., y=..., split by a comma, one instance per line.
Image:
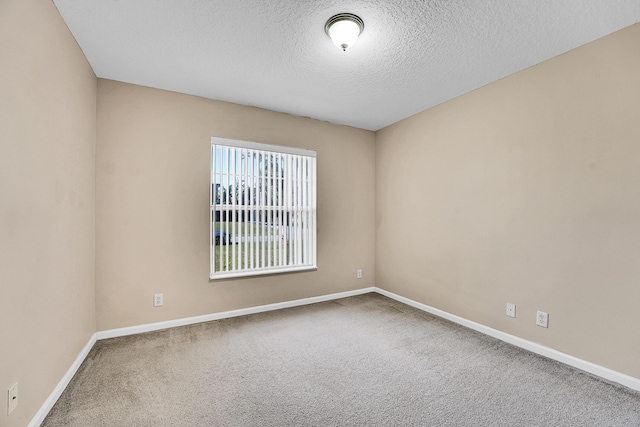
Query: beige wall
x=152, y=214
x=47, y=145
x=525, y=191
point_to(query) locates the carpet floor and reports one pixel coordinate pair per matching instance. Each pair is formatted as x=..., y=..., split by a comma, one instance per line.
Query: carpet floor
x=359, y=361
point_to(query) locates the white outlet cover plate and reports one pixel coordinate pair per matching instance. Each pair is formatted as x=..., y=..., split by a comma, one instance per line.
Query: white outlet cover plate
x=158, y=300
x=511, y=310
x=12, y=398
x=542, y=319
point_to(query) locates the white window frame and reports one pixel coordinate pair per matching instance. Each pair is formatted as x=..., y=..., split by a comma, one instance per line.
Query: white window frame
x=286, y=206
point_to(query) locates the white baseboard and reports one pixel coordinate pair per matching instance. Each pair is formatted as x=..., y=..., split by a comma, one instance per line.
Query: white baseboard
x=592, y=368
x=120, y=332
x=600, y=371
x=55, y=394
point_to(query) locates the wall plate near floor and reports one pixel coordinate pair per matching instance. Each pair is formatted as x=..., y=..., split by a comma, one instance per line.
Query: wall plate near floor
x=12, y=398
x=542, y=319
x=511, y=310
x=158, y=300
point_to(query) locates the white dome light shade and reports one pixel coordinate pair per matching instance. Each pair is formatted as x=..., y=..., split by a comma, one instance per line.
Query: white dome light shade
x=344, y=34
x=344, y=29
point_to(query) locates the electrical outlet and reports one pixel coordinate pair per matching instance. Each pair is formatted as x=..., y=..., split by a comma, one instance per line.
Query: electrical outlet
x=511, y=310
x=359, y=274
x=12, y=398
x=158, y=300
x=542, y=319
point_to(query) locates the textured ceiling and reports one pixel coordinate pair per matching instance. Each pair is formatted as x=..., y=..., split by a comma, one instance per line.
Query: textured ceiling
x=274, y=54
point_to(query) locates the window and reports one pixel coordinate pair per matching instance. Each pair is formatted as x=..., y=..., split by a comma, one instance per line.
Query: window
x=263, y=209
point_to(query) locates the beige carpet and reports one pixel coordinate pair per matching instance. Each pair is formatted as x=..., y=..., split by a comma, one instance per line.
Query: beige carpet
x=365, y=360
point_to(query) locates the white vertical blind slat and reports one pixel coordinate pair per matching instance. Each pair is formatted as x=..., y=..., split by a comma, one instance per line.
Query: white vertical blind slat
x=233, y=186
x=287, y=195
x=269, y=191
x=251, y=211
x=262, y=208
x=313, y=209
x=305, y=220
x=243, y=238
x=299, y=212
x=212, y=219
x=220, y=217
x=281, y=213
x=225, y=237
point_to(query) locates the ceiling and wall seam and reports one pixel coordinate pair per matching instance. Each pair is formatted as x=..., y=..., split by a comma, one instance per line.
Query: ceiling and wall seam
x=412, y=55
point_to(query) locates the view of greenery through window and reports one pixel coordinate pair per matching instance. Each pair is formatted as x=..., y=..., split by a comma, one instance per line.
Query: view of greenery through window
x=243, y=235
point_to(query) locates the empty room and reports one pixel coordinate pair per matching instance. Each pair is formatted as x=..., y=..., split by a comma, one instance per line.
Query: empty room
x=284, y=213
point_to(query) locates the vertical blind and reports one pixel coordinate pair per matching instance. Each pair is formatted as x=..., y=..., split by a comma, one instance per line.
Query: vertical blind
x=263, y=209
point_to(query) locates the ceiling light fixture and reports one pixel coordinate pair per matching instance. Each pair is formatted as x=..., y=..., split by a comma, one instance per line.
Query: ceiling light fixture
x=344, y=29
